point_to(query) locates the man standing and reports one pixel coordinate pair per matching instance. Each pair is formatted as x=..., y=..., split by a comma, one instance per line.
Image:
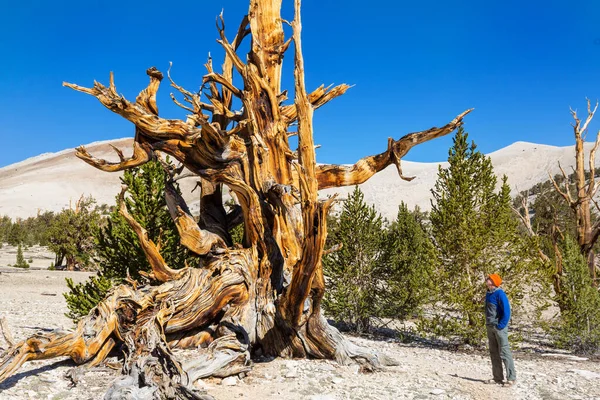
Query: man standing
x=497, y=315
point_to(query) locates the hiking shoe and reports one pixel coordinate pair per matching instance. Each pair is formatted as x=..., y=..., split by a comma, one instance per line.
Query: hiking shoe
x=509, y=383
x=492, y=381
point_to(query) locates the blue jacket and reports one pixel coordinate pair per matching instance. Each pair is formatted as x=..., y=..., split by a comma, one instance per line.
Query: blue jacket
x=497, y=308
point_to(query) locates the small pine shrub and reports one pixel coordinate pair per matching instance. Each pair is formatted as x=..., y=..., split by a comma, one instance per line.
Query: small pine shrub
x=21, y=263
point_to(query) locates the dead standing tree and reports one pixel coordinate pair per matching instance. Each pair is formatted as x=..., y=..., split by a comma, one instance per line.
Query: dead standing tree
x=524, y=214
x=263, y=298
x=586, y=188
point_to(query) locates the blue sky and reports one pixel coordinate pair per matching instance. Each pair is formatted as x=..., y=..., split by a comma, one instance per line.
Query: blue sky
x=414, y=65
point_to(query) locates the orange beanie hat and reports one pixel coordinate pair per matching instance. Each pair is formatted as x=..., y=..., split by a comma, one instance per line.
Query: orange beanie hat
x=495, y=278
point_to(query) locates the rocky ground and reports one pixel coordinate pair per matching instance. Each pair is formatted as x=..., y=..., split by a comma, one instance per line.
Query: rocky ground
x=31, y=301
x=38, y=257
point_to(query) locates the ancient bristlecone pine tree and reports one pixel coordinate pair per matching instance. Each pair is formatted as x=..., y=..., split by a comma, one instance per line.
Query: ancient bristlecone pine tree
x=263, y=297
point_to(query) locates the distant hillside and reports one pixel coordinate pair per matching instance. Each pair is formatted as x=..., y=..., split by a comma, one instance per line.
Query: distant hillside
x=51, y=181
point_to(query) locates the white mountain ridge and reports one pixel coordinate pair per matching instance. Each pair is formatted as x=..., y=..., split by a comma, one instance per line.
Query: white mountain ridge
x=53, y=181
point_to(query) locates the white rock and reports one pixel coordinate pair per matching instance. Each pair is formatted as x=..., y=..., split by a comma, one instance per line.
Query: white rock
x=564, y=356
x=292, y=373
x=437, y=391
x=326, y=367
x=200, y=384
x=229, y=381
x=322, y=397
x=337, y=380
x=586, y=374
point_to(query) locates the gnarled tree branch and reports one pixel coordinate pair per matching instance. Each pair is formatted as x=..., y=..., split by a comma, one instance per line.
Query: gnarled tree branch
x=141, y=155
x=142, y=113
x=341, y=175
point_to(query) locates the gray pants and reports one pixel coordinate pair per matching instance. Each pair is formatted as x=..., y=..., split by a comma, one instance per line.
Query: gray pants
x=500, y=353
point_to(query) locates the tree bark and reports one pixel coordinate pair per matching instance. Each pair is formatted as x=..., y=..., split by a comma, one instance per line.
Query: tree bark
x=262, y=298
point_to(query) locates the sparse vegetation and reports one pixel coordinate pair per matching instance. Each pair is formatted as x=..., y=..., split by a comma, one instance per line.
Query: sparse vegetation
x=21, y=263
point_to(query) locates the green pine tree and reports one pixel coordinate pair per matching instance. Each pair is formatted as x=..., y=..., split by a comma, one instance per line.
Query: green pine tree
x=578, y=326
x=5, y=227
x=71, y=234
x=353, y=273
x=409, y=259
x=16, y=233
x=475, y=234
x=118, y=251
x=21, y=263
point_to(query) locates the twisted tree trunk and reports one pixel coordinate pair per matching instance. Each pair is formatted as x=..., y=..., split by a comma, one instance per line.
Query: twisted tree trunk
x=262, y=298
x=586, y=187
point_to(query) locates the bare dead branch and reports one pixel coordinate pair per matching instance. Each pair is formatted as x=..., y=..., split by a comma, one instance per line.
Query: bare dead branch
x=319, y=97
x=396, y=159
x=139, y=114
x=566, y=194
x=189, y=97
x=592, y=187
x=218, y=78
x=141, y=155
x=8, y=337
x=341, y=175
x=228, y=63
x=589, y=117
x=119, y=152
x=333, y=249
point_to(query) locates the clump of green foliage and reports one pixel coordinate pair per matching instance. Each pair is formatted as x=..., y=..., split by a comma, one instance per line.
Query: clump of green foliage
x=578, y=326
x=409, y=259
x=71, y=234
x=379, y=272
x=82, y=297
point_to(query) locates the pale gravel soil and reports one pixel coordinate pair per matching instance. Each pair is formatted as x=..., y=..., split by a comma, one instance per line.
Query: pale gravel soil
x=32, y=301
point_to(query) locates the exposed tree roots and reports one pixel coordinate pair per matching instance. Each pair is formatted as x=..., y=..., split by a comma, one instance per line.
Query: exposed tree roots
x=205, y=308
